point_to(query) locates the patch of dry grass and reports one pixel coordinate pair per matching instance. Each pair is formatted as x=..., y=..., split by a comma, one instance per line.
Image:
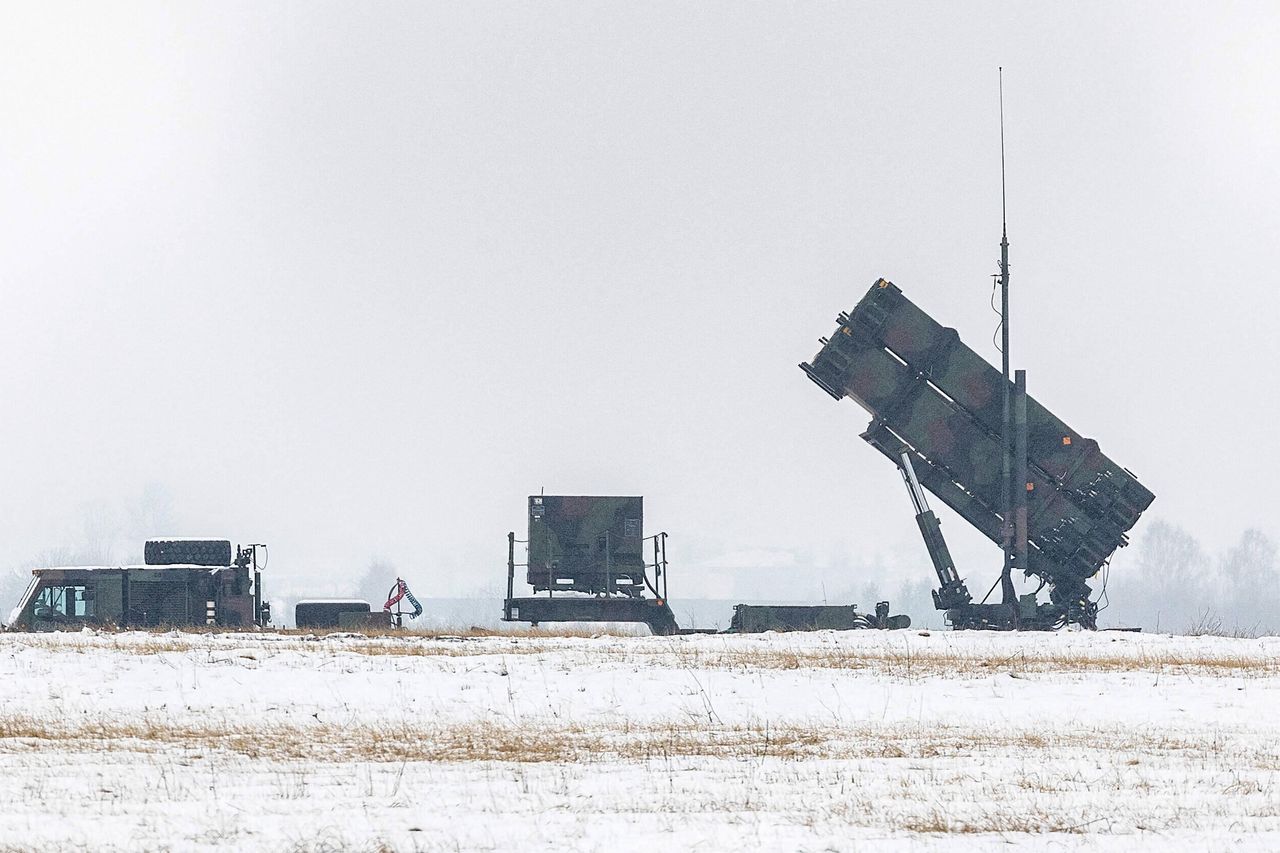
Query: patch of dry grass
x=1040, y=821
x=553, y=741
x=932, y=661
x=255, y=645
x=470, y=741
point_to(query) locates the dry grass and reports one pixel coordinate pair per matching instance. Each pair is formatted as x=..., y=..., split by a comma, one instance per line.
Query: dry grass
x=932, y=661
x=1037, y=822
x=552, y=741
x=266, y=644
x=470, y=741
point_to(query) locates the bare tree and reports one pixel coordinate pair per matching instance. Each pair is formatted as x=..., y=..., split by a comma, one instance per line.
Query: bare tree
x=1247, y=580
x=1175, y=586
x=96, y=538
x=151, y=517
x=376, y=582
x=1168, y=587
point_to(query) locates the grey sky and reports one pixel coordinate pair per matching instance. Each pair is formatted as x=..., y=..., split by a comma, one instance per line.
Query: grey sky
x=354, y=279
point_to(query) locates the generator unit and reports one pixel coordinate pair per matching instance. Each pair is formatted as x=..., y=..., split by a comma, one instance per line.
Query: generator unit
x=339, y=613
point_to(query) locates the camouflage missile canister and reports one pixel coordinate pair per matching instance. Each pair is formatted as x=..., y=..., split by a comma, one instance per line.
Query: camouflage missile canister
x=933, y=396
x=586, y=544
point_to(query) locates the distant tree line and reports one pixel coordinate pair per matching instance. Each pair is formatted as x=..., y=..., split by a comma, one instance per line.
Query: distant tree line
x=1175, y=586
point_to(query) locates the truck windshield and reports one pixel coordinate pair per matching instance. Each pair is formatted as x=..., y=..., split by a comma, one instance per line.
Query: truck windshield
x=62, y=602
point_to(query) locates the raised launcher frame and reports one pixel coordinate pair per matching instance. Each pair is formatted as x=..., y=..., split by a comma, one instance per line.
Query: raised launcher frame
x=939, y=402
x=592, y=550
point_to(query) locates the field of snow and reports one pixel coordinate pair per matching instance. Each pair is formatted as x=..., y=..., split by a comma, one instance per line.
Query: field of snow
x=908, y=740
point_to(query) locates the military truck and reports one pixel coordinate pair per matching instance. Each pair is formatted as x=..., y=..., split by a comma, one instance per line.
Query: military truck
x=182, y=583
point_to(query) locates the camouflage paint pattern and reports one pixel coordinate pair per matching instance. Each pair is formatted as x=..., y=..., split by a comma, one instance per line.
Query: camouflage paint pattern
x=586, y=543
x=933, y=396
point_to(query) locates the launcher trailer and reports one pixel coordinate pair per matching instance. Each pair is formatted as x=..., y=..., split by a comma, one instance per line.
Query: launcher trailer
x=936, y=413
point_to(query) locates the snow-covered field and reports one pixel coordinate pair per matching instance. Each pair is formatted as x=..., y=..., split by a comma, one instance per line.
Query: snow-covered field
x=902, y=740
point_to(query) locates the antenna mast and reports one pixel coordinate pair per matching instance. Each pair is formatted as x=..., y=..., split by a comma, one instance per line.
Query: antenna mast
x=1006, y=420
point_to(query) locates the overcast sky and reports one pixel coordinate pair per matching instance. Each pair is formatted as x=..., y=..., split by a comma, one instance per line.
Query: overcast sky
x=355, y=279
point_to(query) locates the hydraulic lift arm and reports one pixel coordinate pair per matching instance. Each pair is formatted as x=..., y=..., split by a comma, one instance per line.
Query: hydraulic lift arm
x=952, y=592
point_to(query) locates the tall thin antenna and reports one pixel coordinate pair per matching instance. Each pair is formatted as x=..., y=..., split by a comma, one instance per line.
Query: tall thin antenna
x=1004, y=218
x=1006, y=415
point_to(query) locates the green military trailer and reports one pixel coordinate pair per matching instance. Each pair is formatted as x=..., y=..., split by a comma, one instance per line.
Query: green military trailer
x=757, y=618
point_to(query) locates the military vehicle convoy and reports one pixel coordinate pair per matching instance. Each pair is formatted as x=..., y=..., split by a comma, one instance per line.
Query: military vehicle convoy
x=954, y=426
x=951, y=423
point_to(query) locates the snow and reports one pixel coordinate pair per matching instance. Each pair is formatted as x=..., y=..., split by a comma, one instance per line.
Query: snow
x=357, y=602
x=903, y=740
x=162, y=567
